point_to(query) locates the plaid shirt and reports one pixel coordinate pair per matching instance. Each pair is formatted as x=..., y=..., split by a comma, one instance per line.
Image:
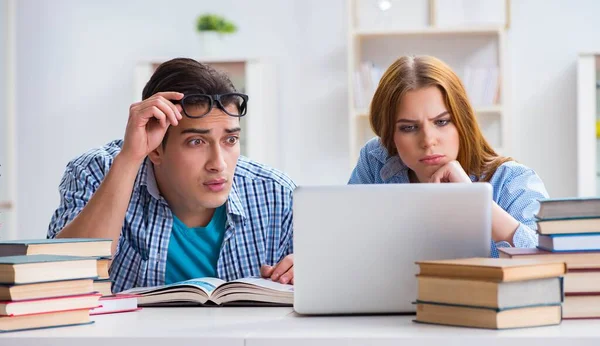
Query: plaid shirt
x=516, y=188
x=258, y=230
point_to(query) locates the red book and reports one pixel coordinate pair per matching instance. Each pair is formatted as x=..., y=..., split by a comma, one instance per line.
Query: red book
x=574, y=260
x=44, y=305
x=116, y=303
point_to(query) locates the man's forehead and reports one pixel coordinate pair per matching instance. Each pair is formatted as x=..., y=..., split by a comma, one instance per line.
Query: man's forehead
x=213, y=123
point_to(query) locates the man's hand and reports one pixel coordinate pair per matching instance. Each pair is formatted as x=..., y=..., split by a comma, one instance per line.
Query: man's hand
x=148, y=122
x=452, y=172
x=283, y=272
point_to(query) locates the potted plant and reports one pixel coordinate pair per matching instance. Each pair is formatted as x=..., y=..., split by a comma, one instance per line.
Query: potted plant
x=213, y=29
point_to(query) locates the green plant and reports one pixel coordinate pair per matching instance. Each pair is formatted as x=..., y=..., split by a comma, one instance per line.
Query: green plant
x=214, y=22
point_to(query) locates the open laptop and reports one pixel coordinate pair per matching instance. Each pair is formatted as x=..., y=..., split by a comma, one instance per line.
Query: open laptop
x=355, y=246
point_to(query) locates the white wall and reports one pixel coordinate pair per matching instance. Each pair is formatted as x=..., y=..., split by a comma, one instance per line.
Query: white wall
x=6, y=194
x=75, y=79
x=545, y=39
x=3, y=91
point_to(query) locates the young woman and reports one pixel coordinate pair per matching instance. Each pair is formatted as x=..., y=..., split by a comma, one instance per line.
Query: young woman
x=427, y=133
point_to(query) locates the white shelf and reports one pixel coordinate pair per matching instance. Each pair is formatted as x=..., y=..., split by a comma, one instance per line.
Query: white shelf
x=361, y=113
x=6, y=205
x=587, y=143
x=461, y=47
x=493, y=109
x=489, y=109
x=492, y=30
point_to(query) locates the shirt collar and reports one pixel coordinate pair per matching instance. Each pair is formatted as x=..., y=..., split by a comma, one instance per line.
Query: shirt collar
x=234, y=203
x=392, y=165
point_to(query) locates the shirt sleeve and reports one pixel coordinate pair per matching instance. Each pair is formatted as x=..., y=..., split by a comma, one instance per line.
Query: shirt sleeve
x=520, y=196
x=362, y=173
x=287, y=238
x=76, y=188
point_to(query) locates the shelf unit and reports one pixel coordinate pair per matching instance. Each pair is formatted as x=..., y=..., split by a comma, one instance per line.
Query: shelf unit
x=256, y=77
x=460, y=46
x=588, y=117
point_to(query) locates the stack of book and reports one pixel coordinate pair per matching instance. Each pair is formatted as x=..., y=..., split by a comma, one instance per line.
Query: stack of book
x=490, y=293
x=97, y=249
x=43, y=291
x=569, y=231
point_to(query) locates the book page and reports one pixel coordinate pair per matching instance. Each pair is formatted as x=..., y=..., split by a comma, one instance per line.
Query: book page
x=255, y=290
x=266, y=283
x=207, y=285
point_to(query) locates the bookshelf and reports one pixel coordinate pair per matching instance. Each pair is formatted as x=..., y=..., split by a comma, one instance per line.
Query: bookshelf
x=8, y=137
x=588, y=124
x=259, y=140
x=468, y=35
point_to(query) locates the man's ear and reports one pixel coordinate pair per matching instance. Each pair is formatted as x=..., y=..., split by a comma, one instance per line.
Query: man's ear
x=156, y=155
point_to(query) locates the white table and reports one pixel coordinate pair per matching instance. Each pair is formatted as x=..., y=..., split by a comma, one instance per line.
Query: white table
x=281, y=326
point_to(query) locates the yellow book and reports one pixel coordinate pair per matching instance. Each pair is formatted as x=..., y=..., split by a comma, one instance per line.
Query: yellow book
x=492, y=269
x=490, y=294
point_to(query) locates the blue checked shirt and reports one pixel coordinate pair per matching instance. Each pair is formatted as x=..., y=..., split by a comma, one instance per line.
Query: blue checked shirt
x=517, y=188
x=258, y=229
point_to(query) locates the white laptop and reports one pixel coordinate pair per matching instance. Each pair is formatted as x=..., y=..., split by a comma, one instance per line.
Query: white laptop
x=355, y=246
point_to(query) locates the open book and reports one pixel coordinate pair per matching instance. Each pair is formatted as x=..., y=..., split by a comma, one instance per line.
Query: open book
x=213, y=291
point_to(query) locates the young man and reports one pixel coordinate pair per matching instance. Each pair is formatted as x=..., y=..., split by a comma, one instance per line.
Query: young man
x=175, y=195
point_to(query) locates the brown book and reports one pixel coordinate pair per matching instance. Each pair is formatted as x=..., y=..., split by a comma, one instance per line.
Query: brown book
x=582, y=280
x=103, y=264
x=45, y=320
x=46, y=289
x=84, y=247
x=492, y=269
x=489, y=318
x=44, y=268
x=103, y=287
x=581, y=305
x=574, y=260
x=568, y=226
x=497, y=295
x=38, y=306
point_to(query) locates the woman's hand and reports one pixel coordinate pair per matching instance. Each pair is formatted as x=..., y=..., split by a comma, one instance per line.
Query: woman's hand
x=452, y=172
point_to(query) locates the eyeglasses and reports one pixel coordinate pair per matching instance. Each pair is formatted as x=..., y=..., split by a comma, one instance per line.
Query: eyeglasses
x=199, y=105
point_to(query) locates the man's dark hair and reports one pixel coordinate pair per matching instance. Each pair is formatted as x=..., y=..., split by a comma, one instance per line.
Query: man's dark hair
x=187, y=76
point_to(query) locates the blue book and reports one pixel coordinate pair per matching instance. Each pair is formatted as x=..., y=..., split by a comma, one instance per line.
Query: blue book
x=63, y=246
x=45, y=268
x=569, y=242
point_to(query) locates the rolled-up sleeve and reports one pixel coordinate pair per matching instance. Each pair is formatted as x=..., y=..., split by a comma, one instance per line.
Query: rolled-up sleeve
x=520, y=196
x=76, y=188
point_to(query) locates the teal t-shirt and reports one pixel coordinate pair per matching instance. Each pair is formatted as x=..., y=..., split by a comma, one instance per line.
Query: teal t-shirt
x=194, y=252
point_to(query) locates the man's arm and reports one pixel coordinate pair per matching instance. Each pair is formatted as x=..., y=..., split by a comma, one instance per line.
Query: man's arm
x=103, y=215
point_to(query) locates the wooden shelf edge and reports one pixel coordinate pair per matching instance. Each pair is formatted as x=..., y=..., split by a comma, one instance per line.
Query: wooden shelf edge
x=483, y=30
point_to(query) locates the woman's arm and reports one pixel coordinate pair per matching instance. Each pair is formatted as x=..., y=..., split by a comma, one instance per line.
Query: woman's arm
x=517, y=201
